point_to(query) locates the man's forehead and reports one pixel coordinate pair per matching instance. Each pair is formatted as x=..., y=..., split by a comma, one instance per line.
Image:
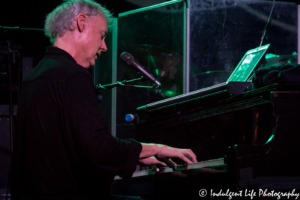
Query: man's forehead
x=102, y=23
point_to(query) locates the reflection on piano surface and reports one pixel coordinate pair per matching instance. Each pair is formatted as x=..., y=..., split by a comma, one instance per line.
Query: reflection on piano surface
x=256, y=133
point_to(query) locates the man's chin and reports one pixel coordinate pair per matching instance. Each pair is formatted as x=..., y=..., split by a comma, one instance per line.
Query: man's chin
x=92, y=64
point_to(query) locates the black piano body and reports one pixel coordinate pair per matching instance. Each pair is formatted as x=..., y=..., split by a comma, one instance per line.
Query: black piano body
x=256, y=132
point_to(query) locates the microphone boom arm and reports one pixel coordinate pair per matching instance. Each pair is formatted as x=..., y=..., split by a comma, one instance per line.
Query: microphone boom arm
x=123, y=83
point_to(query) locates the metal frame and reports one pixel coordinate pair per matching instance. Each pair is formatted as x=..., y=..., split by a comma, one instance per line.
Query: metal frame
x=298, y=34
x=186, y=50
x=114, y=78
x=149, y=7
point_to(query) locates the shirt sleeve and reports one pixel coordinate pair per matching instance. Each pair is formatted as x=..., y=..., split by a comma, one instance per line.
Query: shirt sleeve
x=93, y=147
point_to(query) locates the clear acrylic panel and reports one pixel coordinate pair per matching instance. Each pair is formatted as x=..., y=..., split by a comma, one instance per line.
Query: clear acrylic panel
x=155, y=37
x=103, y=73
x=222, y=31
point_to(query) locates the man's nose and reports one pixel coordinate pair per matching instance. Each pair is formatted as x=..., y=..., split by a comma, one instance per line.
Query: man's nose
x=103, y=46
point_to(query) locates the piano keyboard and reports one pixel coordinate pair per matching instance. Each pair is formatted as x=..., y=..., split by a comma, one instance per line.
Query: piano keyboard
x=203, y=164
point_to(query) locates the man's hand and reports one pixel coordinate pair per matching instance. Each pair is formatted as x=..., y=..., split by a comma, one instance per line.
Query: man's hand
x=186, y=155
x=163, y=153
x=151, y=161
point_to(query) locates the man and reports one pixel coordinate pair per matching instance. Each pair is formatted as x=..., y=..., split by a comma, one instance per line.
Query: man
x=63, y=149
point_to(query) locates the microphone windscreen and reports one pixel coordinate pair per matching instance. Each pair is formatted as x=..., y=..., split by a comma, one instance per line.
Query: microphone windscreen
x=127, y=58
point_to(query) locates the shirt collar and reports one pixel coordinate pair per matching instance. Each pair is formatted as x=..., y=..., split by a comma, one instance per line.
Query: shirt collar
x=61, y=52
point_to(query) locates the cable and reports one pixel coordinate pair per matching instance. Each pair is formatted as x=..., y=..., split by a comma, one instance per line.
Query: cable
x=265, y=29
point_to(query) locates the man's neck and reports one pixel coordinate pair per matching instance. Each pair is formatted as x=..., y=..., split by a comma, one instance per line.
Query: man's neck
x=68, y=45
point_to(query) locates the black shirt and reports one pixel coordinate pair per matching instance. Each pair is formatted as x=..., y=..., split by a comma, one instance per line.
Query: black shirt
x=63, y=148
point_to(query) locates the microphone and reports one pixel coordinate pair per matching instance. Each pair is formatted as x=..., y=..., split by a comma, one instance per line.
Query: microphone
x=131, y=61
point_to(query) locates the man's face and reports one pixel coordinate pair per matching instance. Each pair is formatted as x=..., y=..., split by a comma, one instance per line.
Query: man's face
x=93, y=41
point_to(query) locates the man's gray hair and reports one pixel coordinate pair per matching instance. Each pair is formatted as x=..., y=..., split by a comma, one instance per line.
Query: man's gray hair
x=60, y=19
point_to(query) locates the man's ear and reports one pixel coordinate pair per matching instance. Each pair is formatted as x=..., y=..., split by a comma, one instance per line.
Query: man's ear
x=81, y=20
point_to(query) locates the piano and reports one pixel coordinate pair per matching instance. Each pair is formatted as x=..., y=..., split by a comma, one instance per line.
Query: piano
x=243, y=139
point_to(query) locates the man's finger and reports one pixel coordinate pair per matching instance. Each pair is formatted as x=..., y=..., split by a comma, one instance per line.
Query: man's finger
x=185, y=159
x=168, y=162
x=162, y=163
x=191, y=156
x=173, y=162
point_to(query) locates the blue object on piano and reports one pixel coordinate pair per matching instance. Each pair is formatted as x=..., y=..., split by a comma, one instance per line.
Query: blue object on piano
x=130, y=117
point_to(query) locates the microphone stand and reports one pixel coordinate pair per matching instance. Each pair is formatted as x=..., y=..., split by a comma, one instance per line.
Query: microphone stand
x=10, y=92
x=124, y=83
x=10, y=100
x=20, y=28
x=10, y=79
